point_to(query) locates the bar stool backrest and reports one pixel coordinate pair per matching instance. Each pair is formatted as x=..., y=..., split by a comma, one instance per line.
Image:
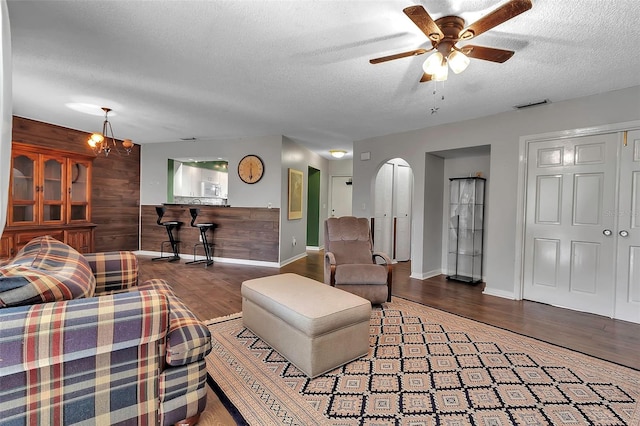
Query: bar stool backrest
x=194, y=215
x=160, y=211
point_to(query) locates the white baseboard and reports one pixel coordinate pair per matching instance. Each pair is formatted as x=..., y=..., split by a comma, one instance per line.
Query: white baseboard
x=189, y=257
x=315, y=248
x=293, y=259
x=426, y=275
x=499, y=293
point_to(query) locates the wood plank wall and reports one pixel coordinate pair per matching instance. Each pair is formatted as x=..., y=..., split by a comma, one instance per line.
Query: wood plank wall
x=242, y=232
x=115, y=193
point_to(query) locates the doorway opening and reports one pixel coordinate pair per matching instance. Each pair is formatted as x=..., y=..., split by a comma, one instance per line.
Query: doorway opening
x=313, y=208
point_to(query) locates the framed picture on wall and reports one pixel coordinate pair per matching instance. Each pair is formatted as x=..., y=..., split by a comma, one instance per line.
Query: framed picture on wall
x=296, y=181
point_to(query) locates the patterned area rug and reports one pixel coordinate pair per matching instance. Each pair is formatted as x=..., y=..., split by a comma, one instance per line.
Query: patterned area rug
x=425, y=367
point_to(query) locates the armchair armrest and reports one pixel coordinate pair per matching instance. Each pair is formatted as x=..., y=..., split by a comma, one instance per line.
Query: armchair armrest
x=387, y=261
x=330, y=268
x=382, y=255
x=115, y=271
x=330, y=257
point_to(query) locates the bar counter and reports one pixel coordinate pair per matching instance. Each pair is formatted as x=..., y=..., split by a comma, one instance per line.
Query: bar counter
x=244, y=233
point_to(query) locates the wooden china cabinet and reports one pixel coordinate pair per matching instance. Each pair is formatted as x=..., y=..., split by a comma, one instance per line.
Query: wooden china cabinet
x=49, y=194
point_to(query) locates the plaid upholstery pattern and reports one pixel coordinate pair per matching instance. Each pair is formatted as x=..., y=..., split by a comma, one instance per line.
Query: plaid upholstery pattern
x=114, y=271
x=133, y=355
x=94, y=360
x=45, y=270
x=183, y=392
x=188, y=340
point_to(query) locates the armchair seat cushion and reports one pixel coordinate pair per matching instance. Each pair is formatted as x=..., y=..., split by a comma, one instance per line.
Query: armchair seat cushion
x=45, y=270
x=361, y=274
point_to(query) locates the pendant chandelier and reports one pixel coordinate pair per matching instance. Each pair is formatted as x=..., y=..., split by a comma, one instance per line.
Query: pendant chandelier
x=105, y=142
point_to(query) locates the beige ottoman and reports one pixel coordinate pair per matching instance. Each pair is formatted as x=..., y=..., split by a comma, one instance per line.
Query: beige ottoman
x=313, y=325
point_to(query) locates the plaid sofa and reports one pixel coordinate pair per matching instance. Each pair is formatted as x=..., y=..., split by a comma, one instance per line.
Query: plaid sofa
x=82, y=342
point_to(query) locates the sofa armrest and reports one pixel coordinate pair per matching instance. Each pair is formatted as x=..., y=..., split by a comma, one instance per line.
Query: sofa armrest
x=47, y=334
x=115, y=271
x=188, y=339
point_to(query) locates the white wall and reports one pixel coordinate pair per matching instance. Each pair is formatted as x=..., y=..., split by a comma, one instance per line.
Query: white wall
x=502, y=132
x=6, y=117
x=429, y=255
x=342, y=167
x=153, y=168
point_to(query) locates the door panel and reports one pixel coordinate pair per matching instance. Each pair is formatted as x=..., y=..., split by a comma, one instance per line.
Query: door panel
x=587, y=193
x=403, y=213
x=569, y=262
x=548, y=199
x=383, y=229
x=545, y=262
x=585, y=258
x=628, y=215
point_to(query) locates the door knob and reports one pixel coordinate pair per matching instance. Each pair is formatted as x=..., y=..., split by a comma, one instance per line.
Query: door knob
x=607, y=232
x=624, y=233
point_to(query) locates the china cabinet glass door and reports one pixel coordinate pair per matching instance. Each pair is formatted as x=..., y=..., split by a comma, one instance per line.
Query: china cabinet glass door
x=52, y=190
x=79, y=190
x=24, y=189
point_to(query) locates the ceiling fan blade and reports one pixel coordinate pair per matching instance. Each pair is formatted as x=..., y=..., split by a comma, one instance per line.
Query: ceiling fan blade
x=398, y=56
x=425, y=77
x=421, y=18
x=503, y=13
x=487, y=53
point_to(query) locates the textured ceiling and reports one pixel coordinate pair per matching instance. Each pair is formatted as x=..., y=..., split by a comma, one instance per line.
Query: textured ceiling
x=216, y=70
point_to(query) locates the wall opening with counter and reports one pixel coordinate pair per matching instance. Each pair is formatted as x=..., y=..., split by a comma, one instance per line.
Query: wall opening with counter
x=248, y=233
x=198, y=181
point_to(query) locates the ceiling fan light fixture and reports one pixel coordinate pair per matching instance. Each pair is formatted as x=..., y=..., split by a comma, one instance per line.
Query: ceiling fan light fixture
x=441, y=73
x=433, y=63
x=458, y=61
x=337, y=153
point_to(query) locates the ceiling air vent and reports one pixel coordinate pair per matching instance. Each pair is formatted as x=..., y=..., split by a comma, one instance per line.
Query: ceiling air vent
x=532, y=104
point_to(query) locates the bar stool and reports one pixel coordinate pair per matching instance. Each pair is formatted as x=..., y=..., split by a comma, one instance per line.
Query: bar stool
x=204, y=242
x=169, y=225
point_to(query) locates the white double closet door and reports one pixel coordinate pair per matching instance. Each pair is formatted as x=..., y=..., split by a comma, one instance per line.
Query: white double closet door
x=392, y=210
x=582, y=237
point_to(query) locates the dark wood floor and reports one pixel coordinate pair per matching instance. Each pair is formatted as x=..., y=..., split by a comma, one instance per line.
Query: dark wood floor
x=215, y=291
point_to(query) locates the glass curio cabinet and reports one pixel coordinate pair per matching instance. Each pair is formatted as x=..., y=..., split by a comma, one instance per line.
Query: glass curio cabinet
x=466, y=227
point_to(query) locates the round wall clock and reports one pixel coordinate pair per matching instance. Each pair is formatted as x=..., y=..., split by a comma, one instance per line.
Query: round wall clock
x=251, y=169
x=75, y=173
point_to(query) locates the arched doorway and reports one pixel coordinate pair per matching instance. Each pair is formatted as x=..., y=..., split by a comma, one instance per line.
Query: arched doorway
x=393, y=193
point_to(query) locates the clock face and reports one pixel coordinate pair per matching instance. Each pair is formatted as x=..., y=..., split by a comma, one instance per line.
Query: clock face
x=251, y=169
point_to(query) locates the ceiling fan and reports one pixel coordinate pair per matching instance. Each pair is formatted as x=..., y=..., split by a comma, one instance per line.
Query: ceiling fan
x=444, y=33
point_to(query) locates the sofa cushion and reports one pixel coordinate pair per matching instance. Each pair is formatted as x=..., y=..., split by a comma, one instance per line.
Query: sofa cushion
x=115, y=271
x=45, y=270
x=188, y=339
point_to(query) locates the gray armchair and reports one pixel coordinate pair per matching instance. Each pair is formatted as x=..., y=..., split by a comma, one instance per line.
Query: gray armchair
x=350, y=263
